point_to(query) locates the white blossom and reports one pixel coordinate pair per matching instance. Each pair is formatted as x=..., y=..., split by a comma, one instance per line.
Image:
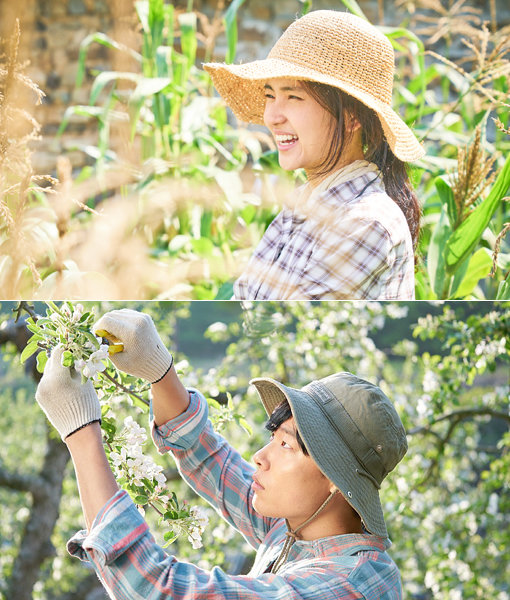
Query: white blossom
x=94, y=364
x=492, y=507
x=430, y=381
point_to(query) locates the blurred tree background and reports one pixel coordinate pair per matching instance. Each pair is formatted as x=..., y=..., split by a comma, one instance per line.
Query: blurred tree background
x=445, y=366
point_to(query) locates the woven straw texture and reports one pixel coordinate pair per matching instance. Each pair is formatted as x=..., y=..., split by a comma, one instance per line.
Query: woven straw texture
x=351, y=431
x=338, y=49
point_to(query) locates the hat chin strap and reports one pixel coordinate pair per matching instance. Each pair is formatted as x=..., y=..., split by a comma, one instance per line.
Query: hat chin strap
x=292, y=536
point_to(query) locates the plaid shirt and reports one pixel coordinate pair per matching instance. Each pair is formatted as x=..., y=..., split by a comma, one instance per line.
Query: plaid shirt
x=132, y=566
x=342, y=245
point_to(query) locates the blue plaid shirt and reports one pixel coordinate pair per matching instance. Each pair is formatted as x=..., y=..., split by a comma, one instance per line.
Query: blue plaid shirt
x=132, y=566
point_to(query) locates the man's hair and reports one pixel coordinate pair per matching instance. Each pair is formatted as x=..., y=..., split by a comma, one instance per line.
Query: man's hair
x=279, y=415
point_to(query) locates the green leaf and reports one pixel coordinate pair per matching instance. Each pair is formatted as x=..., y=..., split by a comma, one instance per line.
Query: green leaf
x=82, y=111
x=92, y=339
x=142, y=10
x=244, y=424
x=104, y=40
x=148, y=86
x=169, y=537
x=248, y=213
x=29, y=349
x=141, y=499
x=105, y=78
x=445, y=193
x=213, y=403
x=503, y=292
x=435, y=255
x=230, y=21
x=226, y=291
x=42, y=359
x=480, y=265
x=307, y=6
x=468, y=234
x=355, y=8
x=203, y=246
x=67, y=359
x=188, y=27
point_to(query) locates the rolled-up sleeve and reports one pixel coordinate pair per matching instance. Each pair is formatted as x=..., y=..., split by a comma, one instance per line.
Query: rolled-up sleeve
x=183, y=432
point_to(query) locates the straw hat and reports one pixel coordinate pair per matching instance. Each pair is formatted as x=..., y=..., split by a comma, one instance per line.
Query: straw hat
x=351, y=430
x=338, y=49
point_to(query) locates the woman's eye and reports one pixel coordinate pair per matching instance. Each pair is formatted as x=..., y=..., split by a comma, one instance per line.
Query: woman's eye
x=268, y=96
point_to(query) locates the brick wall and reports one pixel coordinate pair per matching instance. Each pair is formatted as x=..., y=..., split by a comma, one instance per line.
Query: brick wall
x=53, y=29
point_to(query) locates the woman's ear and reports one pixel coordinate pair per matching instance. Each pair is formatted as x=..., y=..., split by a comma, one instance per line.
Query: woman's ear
x=351, y=123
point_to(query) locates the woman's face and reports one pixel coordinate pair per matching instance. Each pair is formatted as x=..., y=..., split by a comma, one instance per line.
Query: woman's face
x=287, y=482
x=301, y=127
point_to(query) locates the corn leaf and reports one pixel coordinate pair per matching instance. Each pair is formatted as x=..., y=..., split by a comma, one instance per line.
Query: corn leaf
x=445, y=193
x=435, y=255
x=464, y=239
x=105, y=78
x=355, y=8
x=478, y=267
x=230, y=20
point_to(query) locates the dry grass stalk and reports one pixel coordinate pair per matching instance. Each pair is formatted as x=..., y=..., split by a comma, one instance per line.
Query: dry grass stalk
x=442, y=22
x=473, y=177
x=501, y=126
x=489, y=66
x=18, y=185
x=497, y=247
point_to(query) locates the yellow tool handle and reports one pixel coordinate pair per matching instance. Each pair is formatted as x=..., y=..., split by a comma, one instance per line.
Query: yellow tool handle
x=114, y=344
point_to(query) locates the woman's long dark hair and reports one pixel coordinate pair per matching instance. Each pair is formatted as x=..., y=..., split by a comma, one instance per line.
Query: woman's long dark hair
x=375, y=148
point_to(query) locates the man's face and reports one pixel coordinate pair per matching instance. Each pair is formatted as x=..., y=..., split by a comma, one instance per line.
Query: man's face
x=287, y=483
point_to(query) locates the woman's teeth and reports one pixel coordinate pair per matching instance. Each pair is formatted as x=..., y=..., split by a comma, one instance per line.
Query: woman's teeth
x=285, y=139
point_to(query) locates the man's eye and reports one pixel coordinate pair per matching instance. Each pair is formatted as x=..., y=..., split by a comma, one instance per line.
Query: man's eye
x=268, y=96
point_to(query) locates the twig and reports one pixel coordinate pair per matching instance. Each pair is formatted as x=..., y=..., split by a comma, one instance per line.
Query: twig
x=125, y=388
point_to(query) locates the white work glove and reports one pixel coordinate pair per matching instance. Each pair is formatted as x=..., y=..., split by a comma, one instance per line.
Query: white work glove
x=144, y=354
x=68, y=404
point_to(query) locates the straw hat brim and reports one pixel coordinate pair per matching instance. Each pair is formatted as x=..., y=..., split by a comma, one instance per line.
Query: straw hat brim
x=242, y=88
x=330, y=453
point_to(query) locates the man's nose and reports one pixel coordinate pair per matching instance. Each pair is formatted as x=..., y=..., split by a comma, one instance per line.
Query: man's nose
x=260, y=458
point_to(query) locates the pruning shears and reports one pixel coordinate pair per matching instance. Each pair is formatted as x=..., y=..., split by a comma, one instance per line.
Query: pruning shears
x=114, y=344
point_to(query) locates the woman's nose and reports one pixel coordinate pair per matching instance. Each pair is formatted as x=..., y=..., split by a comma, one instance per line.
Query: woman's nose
x=273, y=114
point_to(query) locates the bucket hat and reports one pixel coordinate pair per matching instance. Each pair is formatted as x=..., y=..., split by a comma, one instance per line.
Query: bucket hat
x=351, y=430
x=330, y=47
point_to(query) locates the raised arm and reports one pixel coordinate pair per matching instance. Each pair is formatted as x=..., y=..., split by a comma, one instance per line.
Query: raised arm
x=207, y=462
x=73, y=409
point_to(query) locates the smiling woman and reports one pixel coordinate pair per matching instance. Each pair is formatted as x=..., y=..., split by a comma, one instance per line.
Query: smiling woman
x=325, y=94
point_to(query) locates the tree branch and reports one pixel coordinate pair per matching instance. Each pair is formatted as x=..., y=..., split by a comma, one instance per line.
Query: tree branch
x=460, y=415
x=453, y=418
x=20, y=482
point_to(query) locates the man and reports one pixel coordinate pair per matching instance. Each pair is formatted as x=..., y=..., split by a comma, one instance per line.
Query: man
x=310, y=506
